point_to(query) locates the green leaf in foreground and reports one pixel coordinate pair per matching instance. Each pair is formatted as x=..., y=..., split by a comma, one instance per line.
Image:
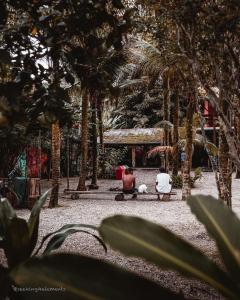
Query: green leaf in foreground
x=33, y=221
x=57, y=240
x=134, y=236
x=62, y=230
x=81, y=277
x=6, y=214
x=17, y=242
x=223, y=225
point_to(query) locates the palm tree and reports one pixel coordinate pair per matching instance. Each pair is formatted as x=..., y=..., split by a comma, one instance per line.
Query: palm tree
x=175, y=98
x=166, y=113
x=100, y=105
x=237, y=128
x=55, y=164
x=84, y=142
x=94, y=142
x=225, y=164
x=187, y=163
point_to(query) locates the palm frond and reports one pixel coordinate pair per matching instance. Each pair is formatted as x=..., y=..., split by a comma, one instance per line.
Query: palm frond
x=158, y=150
x=212, y=148
x=154, y=61
x=124, y=72
x=131, y=83
x=164, y=123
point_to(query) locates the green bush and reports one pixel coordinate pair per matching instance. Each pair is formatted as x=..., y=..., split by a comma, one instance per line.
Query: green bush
x=177, y=180
x=111, y=159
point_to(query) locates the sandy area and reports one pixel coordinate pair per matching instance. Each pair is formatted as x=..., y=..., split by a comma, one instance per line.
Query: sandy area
x=174, y=215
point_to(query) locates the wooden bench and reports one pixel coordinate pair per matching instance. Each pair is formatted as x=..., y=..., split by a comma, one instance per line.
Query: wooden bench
x=119, y=195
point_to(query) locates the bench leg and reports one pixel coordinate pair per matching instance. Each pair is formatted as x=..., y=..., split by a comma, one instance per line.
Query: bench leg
x=119, y=197
x=166, y=197
x=134, y=196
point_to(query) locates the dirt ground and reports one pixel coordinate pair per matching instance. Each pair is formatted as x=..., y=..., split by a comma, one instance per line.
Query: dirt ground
x=174, y=215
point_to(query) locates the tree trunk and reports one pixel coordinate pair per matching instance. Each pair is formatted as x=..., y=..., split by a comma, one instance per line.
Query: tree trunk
x=175, y=134
x=100, y=127
x=84, y=142
x=166, y=113
x=94, y=142
x=55, y=164
x=225, y=164
x=237, y=128
x=187, y=164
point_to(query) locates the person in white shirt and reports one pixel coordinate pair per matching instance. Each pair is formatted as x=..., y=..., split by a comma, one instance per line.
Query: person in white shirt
x=163, y=183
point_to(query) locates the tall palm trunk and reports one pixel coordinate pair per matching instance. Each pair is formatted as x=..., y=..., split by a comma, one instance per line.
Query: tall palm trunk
x=56, y=140
x=187, y=164
x=94, y=142
x=84, y=142
x=175, y=133
x=100, y=127
x=237, y=128
x=225, y=164
x=166, y=113
x=55, y=164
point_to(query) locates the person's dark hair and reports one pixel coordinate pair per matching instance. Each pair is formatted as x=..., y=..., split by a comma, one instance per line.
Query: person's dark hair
x=162, y=170
x=127, y=171
x=130, y=170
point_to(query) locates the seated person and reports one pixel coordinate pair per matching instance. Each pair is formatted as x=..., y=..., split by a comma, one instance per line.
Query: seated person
x=129, y=182
x=163, y=183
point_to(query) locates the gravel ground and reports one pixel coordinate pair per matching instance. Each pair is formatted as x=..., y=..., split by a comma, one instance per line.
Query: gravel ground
x=174, y=215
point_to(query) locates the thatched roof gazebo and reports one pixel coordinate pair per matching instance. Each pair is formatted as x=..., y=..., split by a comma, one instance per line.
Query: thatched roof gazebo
x=133, y=138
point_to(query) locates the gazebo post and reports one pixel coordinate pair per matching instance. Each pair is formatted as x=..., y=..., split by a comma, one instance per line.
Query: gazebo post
x=133, y=156
x=144, y=158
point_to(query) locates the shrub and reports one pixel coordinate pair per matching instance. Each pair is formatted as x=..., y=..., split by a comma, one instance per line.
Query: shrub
x=177, y=180
x=111, y=159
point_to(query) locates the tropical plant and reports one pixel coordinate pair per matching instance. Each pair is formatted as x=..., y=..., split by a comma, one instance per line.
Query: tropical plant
x=112, y=157
x=79, y=277
x=177, y=180
x=134, y=236
x=61, y=276
x=18, y=239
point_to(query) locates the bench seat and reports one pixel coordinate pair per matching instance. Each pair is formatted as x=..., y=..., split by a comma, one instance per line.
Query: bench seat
x=119, y=194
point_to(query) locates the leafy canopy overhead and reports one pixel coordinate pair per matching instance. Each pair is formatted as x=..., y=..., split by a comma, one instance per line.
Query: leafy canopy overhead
x=46, y=44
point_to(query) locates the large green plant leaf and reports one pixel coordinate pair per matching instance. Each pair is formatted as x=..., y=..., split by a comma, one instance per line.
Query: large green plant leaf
x=17, y=242
x=33, y=221
x=84, y=278
x=223, y=225
x=4, y=284
x=137, y=237
x=57, y=240
x=62, y=230
x=6, y=214
x=212, y=148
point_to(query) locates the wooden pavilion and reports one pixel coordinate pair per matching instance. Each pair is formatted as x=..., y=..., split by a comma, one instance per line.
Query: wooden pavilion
x=138, y=140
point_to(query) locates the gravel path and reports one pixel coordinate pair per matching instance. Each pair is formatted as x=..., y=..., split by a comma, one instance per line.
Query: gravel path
x=174, y=215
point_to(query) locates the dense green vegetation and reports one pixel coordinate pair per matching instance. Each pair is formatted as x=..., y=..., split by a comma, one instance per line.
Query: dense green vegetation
x=155, y=62
x=88, y=66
